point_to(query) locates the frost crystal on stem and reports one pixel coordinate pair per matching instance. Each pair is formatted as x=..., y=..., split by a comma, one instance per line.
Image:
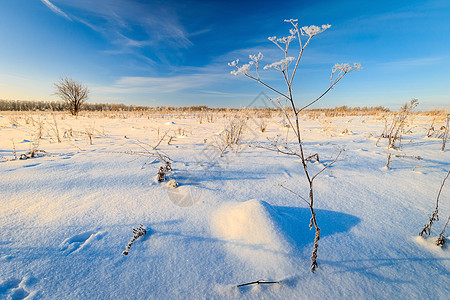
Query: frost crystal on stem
x=243, y=70
x=280, y=65
x=314, y=30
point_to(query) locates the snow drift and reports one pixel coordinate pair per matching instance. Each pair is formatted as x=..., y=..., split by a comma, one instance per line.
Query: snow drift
x=257, y=234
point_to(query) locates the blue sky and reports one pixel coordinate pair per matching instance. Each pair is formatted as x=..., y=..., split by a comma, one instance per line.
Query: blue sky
x=175, y=53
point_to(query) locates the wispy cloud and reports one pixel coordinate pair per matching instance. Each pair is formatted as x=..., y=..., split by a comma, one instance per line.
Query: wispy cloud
x=55, y=9
x=160, y=85
x=133, y=26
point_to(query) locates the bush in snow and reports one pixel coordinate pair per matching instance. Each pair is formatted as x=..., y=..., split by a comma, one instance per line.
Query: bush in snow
x=292, y=110
x=395, y=128
x=231, y=135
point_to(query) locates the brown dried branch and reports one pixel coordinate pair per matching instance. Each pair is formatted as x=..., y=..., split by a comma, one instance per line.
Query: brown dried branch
x=426, y=231
x=257, y=282
x=442, y=238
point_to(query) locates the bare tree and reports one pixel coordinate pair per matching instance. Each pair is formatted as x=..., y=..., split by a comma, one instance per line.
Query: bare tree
x=73, y=94
x=282, y=66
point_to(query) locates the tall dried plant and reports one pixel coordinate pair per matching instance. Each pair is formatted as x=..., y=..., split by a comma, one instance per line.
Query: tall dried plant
x=395, y=128
x=426, y=231
x=283, y=66
x=445, y=134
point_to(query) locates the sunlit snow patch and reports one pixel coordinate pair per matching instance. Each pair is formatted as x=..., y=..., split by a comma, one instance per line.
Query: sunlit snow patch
x=430, y=245
x=255, y=232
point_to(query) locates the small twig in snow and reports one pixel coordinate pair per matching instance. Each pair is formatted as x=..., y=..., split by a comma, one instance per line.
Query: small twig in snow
x=258, y=282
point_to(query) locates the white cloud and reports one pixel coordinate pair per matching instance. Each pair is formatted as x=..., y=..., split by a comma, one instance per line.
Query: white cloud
x=156, y=24
x=159, y=85
x=133, y=27
x=56, y=9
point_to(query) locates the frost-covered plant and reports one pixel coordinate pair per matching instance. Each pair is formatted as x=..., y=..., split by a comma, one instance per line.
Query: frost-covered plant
x=137, y=233
x=395, y=128
x=231, y=135
x=445, y=134
x=55, y=129
x=288, y=73
x=262, y=125
x=426, y=231
x=163, y=172
x=442, y=238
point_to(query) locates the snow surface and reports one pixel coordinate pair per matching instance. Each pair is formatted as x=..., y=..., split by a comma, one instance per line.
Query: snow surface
x=67, y=215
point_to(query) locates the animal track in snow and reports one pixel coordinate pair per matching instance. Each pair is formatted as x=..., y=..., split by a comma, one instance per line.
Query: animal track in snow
x=80, y=241
x=15, y=288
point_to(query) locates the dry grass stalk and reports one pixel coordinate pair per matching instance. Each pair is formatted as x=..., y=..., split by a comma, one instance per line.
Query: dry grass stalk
x=56, y=130
x=14, y=150
x=426, y=231
x=231, y=135
x=442, y=238
x=394, y=130
x=137, y=233
x=445, y=135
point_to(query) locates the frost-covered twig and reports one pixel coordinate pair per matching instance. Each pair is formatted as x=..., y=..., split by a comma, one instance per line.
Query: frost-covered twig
x=445, y=134
x=426, y=231
x=137, y=233
x=442, y=238
x=152, y=153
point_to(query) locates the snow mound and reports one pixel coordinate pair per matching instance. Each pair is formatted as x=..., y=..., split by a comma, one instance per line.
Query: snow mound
x=252, y=222
x=253, y=232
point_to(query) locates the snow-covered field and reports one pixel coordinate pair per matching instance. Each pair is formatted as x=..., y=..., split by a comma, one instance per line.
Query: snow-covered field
x=67, y=214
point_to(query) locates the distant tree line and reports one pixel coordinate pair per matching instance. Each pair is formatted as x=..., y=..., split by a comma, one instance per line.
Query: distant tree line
x=22, y=105
x=345, y=110
x=25, y=105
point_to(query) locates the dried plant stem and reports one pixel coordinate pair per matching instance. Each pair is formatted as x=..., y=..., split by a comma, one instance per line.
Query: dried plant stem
x=445, y=135
x=426, y=231
x=137, y=233
x=283, y=67
x=442, y=238
x=258, y=282
x=14, y=149
x=56, y=130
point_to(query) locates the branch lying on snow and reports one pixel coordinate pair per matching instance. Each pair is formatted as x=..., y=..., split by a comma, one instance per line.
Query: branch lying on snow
x=258, y=282
x=138, y=232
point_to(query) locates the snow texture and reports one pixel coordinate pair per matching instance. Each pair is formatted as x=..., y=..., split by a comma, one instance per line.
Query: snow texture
x=66, y=216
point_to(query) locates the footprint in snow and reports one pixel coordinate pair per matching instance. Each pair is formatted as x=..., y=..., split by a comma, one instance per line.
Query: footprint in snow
x=80, y=241
x=15, y=288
